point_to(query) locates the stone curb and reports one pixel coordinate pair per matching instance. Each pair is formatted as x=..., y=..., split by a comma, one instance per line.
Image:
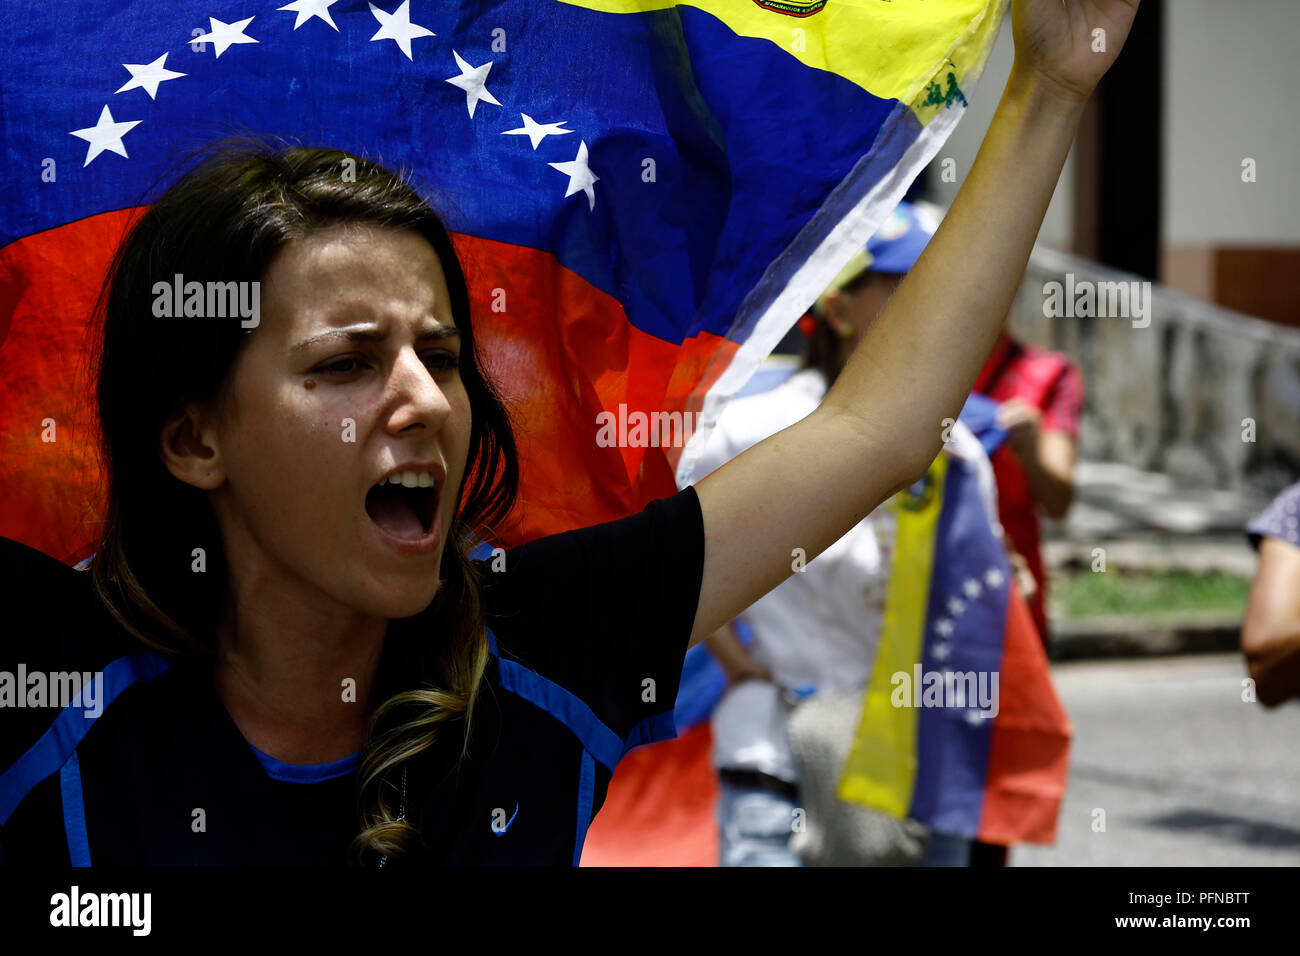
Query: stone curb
x=1124, y=636
x=1200, y=554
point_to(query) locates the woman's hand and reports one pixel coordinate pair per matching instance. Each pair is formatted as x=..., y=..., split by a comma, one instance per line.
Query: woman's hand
x=734, y=658
x=1025, y=579
x=1069, y=43
x=1020, y=422
x=1270, y=634
x=1047, y=457
x=750, y=669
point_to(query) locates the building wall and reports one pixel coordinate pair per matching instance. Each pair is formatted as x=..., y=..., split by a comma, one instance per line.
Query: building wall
x=1227, y=73
x=1226, y=97
x=1228, y=69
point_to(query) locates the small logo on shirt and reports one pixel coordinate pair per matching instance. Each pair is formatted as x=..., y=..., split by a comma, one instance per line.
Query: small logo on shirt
x=499, y=822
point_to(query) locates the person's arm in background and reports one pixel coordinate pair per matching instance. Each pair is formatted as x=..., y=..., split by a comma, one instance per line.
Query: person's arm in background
x=734, y=658
x=1270, y=634
x=881, y=424
x=1048, y=455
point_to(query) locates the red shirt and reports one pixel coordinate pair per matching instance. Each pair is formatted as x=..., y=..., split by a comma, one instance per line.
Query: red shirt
x=1050, y=382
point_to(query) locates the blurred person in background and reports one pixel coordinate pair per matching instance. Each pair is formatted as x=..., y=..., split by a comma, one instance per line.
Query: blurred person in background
x=818, y=632
x=1040, y=395
x=1270, y=634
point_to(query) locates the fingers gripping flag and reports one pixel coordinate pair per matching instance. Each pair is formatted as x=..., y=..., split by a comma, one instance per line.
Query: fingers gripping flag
x=646, y=194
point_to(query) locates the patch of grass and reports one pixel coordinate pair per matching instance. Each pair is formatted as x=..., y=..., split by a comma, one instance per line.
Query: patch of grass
x=1082, y=593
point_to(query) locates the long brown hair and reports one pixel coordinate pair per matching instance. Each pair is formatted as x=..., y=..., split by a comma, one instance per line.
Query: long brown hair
x=225, y=218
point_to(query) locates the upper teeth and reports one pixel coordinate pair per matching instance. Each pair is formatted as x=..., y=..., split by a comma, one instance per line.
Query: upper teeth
x=410, y=479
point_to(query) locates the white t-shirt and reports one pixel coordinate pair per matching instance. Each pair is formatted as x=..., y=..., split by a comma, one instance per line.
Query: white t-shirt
x=818, y=630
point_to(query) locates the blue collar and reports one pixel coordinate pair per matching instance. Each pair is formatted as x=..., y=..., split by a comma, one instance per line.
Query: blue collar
x=307, y=772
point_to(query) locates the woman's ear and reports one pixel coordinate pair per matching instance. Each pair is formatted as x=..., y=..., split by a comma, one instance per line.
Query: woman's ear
x=189, y=448
x=837, y=307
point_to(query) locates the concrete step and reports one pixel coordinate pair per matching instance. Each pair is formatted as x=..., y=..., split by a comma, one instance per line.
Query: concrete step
x=1231, y=553
x=1129, y=636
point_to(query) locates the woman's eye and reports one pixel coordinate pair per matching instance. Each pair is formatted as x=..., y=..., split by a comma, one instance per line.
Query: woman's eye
x=442, y=361
x=341, y=366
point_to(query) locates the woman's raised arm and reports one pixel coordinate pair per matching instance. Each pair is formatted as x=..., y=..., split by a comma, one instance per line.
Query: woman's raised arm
x=788, y=498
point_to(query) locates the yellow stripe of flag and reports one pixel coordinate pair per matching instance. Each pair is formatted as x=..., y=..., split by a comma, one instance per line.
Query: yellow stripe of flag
x=881, y=769
x=895, y=50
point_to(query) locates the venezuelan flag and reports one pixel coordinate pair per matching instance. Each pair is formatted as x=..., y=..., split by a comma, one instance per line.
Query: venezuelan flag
x=659, y=809
x=646, y=194
x=961, y=726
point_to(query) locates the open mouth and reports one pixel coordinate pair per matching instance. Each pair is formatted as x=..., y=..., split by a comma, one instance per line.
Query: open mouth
x=404, y=504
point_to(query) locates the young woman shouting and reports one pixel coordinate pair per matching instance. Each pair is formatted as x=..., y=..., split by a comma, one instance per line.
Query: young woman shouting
x=297, y=661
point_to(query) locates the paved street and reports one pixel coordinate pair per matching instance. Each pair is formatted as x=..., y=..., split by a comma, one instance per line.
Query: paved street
x=1187, y=774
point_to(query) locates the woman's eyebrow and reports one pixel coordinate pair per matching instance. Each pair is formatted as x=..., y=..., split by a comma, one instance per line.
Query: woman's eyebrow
x=369, y=333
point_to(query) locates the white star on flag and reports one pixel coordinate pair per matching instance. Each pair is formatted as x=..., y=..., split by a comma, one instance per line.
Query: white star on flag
x=147, y=76
x=106, y=134
x=397, y=26
x=972, y=588
x=225, y=35
x=580, y=175
x=306, y=9
x=536, y=131
x=955, y=606
x=943, y=627
x=473, y=80
x=941, y=652
x=993, y=578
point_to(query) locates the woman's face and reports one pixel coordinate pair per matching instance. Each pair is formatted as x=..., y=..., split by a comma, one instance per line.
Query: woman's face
x=350, y=378
x=860, y=308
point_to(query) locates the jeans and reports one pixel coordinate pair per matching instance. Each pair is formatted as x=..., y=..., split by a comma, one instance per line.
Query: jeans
x=756, y=827
x=946, y=850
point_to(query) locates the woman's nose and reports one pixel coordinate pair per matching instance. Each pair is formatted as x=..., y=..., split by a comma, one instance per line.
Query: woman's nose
x=421, y=398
